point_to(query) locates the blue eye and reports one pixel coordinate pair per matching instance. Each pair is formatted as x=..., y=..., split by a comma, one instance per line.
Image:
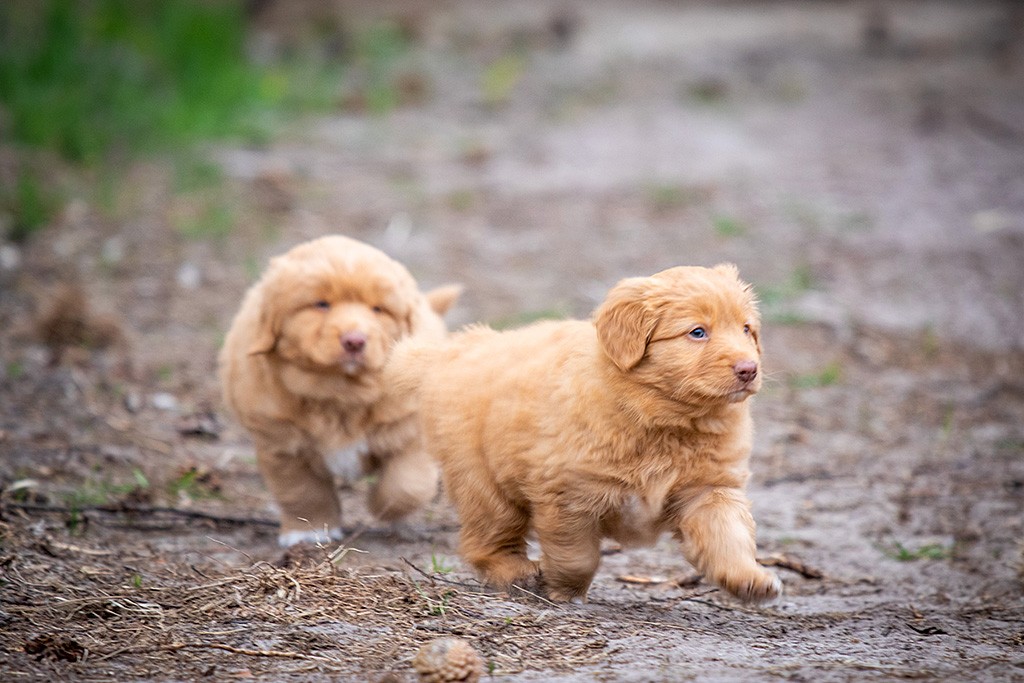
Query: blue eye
x=698, y=333
x=323, y=305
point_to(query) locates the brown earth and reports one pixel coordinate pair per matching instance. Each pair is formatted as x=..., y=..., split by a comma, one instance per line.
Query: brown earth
x=865, y=169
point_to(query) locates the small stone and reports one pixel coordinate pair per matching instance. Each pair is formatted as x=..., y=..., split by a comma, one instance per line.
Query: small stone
x=163, y=401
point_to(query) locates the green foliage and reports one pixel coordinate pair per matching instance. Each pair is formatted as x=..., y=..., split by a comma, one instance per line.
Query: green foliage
x=214, y=221
x=114, y=78
x=929, y=551
x=439, y=566
x=726, y=226
x=29, y=203
x=829, y=375
x=377, y=50
x=501, y=77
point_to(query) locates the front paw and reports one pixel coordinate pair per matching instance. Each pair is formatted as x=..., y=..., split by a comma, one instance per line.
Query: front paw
x=756, y=585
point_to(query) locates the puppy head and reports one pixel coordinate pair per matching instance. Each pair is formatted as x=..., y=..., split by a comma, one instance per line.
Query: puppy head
x=692, y=333
x=336, y=305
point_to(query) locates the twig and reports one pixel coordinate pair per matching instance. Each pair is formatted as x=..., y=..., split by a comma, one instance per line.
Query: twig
x=792, y=564
x=140, y=510
x=435, y=577
x=173, y=647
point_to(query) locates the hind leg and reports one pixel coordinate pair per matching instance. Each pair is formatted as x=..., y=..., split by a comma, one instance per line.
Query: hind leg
x=493, y=534
x=571, y=546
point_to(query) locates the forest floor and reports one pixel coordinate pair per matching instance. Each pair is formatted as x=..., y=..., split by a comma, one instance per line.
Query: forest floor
x=865, y=173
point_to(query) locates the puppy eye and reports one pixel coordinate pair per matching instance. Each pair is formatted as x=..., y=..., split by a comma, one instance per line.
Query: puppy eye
x=322, y=304
x=377, y=309
x=746, y=329
x=698, y=333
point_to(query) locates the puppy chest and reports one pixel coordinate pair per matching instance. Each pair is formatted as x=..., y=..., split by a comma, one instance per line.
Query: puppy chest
x=638, y=520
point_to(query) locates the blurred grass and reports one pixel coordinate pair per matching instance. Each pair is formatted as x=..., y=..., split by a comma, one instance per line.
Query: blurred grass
x=101, y=82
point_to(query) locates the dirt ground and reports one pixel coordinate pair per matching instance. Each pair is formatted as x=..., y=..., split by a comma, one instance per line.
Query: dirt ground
x=864, y=169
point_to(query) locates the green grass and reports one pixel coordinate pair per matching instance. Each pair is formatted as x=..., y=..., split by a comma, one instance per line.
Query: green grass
x=829, y=375
x=99, y=83
x=500, y=78
x=439, y=566
x=29, y=203
x=102, y=78
x=727, y=226
x=929, y=551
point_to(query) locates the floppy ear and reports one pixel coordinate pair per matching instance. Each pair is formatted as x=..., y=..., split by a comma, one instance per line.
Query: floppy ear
x=265, y=339
x=625, y=322
x=265, y=333
x=443, y=298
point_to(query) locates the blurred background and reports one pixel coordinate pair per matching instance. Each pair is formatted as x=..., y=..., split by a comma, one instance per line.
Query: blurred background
x=862, y=162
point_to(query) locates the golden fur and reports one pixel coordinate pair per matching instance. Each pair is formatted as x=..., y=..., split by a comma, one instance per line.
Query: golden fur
x=625, y=427
x=301, y=368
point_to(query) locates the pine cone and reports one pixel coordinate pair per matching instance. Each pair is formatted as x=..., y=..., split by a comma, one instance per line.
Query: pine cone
x=446, y=660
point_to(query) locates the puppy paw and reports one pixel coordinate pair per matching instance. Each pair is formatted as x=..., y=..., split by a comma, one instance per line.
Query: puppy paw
x=289, y=538
x=754, y=586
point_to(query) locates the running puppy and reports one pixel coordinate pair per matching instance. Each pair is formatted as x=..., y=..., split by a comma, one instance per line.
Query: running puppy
x=301, y=368
x=627, y=427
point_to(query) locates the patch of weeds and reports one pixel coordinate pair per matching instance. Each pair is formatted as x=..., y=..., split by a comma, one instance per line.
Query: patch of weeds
x=774, y=297
x=525, y=318
x=15, y=369
x=195, y=484
x=930, y=551
x=461, y=200
x=439, y=566
x=192, y=175
x=214, y=221
x=666, y=196
x=164, y=373
x=436, y=607
x=30, y=203
x=829, y=375
x=123, y=77
x=726, y=226
x=251, y=266
x=804, y=215
x=709, y=90
x=377, y=50
x=500, y=78
x=857, y=221
x=137, y=580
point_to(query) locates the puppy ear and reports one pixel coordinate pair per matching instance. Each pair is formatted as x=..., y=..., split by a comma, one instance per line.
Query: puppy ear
x=625, y=322
x=728, y=269
x=443, y=298
x=264, y=337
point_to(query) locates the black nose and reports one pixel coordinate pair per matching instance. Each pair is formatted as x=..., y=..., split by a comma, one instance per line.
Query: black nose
x=746, y=370
x=353, y=342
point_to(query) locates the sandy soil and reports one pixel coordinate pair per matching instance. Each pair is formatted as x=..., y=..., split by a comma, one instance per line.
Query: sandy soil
x=869, y=182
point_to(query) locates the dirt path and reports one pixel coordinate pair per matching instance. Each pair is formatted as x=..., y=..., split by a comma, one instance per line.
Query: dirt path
x=873, y=192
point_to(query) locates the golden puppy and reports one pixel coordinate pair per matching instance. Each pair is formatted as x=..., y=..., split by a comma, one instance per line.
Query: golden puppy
x=627, y=427
x=301, y=369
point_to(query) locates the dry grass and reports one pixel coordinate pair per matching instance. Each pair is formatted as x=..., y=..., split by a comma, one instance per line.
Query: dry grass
x=79, y=611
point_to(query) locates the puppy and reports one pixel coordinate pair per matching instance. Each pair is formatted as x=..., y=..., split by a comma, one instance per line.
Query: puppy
x=301, y=368
x=627, y=427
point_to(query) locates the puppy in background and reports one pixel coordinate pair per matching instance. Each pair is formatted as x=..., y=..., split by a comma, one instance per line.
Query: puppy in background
x=301, y=368
x=627, y=427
